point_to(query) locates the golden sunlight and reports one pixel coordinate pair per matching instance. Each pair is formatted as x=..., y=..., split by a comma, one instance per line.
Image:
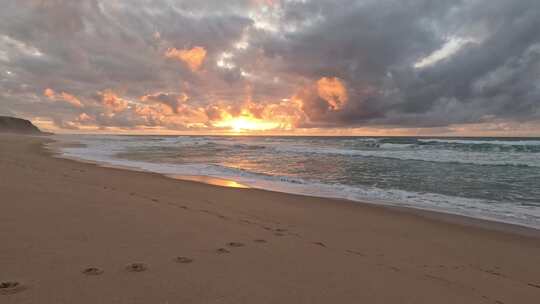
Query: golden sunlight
x=257, y=117
x=247, y=123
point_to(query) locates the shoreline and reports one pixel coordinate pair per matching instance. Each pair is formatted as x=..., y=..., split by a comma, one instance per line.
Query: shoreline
x=61, y=217
x=442, y=215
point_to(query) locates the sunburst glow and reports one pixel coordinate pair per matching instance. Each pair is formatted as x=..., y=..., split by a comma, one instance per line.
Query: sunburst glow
x=246, y=123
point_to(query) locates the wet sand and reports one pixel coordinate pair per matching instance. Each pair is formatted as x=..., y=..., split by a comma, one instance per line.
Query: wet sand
x=72, y=232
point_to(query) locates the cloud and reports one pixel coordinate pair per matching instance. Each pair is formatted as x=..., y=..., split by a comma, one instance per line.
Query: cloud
x=112, y=102
x=49, y=93
x=333, y=91
x=452, y=46
x=63, y=97
x=350, y=64
x=172, y=100
x=194, y=57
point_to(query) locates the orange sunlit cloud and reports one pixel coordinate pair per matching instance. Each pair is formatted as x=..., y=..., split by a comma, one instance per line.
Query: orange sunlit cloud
x=63, y=97
x=171, y=110
x=112, y=102
x=333, y=91
x=156, y=113
x=49, y=93
x=74, y=101
x=84, y=118
x=194, y=57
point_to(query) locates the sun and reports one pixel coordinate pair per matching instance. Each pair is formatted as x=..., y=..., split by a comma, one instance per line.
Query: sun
x=249, y=124
x=246, y=124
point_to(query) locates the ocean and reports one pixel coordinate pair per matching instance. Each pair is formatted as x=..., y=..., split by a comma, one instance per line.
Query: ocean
x=488, y=178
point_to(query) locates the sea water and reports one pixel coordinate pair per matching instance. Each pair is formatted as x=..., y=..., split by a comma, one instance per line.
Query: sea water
x=489, y=178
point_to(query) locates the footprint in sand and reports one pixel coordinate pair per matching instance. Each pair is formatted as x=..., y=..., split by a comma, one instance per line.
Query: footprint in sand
x=183, y=260
x=92, y=271
x=358, y=253
x=493, y=272
x=259, y=241
x=394, y=268
x=10, y=287
x=136, y=267
x=222, y=251
x=534, y=285
x=235, y=244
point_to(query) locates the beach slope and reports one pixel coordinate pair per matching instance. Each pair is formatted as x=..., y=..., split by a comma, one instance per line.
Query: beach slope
x=78, y=233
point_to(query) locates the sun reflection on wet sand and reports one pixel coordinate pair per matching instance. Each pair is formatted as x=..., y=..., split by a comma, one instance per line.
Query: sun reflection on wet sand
x=211, y=181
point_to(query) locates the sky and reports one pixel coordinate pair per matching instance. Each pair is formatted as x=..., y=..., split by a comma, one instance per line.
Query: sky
x=299, y=67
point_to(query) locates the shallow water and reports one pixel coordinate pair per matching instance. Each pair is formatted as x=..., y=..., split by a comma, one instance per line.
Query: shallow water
x=492, y=178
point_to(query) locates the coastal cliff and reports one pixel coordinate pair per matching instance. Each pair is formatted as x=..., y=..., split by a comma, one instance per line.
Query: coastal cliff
x=17, y=125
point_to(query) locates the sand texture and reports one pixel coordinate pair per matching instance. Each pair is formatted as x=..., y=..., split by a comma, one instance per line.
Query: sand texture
x=78, y=233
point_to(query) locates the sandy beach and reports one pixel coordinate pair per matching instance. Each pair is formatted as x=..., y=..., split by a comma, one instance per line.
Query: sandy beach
x=72, y=232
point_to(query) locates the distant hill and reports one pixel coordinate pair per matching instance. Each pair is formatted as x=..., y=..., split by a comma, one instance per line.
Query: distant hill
x=17, y=125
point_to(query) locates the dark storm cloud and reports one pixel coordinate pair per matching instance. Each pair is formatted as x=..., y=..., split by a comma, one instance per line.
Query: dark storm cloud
x=373, y=46
x=91, y=43
x=85, y=48
x=497, y=76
